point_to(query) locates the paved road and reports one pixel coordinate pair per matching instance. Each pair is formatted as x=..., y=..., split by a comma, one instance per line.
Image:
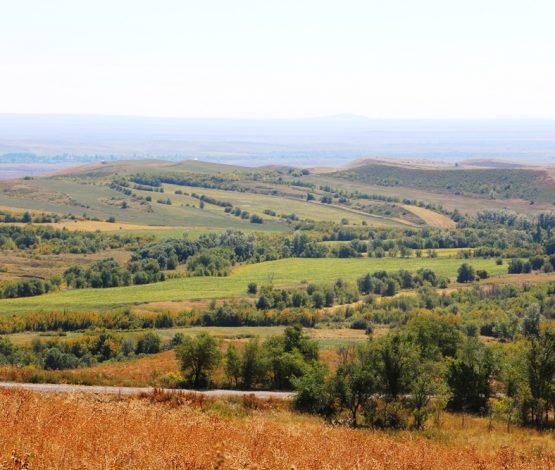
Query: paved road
x=63, y=388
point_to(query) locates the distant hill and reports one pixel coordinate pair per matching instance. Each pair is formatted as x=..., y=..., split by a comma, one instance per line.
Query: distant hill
x=498, y=183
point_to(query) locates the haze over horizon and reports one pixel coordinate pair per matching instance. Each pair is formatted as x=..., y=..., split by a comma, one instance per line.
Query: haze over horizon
x=246, y=59
x=331, y=140
x=284, y=81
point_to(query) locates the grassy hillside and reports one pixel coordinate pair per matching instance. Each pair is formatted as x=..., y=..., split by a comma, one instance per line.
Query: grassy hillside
x=486, y=183
x=95, y=192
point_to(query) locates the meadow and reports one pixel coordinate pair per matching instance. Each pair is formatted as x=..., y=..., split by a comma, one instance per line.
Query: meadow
x=280, y=273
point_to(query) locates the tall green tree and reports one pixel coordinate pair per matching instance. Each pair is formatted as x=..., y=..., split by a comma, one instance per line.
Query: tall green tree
x=540, y=372
x=199, y=356
x=232, y=365
x=469, y=377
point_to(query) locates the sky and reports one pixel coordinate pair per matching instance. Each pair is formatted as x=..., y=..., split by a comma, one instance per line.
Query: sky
x=285, y=58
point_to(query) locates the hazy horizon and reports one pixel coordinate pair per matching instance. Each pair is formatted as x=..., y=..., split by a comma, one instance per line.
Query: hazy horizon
x=326, y=140
x=251, y=83
x=400, y=60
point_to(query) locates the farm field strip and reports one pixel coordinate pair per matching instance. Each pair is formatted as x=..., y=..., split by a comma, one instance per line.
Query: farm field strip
x=280, y=273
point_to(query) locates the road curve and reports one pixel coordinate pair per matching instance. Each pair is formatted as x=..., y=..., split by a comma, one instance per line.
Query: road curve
x=65, y=388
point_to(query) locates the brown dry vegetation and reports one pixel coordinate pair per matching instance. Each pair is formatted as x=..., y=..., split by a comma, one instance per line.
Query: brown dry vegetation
x=157, y=431
x=15, y=265
x=143, y=372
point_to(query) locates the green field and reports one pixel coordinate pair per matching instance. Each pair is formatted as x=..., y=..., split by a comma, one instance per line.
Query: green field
x=285, y=272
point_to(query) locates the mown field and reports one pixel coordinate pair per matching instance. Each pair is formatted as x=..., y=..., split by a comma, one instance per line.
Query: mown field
x=281, y=273
x=433, y=219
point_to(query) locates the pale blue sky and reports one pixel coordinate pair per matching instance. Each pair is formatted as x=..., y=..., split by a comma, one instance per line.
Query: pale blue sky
x=286, y=58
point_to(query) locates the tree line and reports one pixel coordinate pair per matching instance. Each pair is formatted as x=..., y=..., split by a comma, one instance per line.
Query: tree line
x=86, y=351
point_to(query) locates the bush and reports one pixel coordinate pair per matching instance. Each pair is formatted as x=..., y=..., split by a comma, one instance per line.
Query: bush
x=466, y=274
x=149, y=343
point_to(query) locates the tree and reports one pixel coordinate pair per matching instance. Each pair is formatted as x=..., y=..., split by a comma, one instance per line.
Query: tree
x=550, y=246
x=252, y=288
x=465, y=273
x=436, y=336
x=421, y=390
x=354, y=383
x=540, y=374
x=395, y=360
x=288, y=356
x=515, y=266
x=199, y=356
x=531, y=321
x=253, y=368
x=390, y=288
x=149, y=343
x=263, y=303
x=318, y=299
x=313, y=393
x=469, y=376
x=232, y=365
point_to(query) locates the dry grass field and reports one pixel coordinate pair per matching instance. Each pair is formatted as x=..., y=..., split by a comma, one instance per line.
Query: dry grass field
x=433, y=219
x=188, y=432
x=45, y=266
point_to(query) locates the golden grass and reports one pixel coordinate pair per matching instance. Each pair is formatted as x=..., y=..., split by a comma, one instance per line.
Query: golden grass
x=86, y=432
